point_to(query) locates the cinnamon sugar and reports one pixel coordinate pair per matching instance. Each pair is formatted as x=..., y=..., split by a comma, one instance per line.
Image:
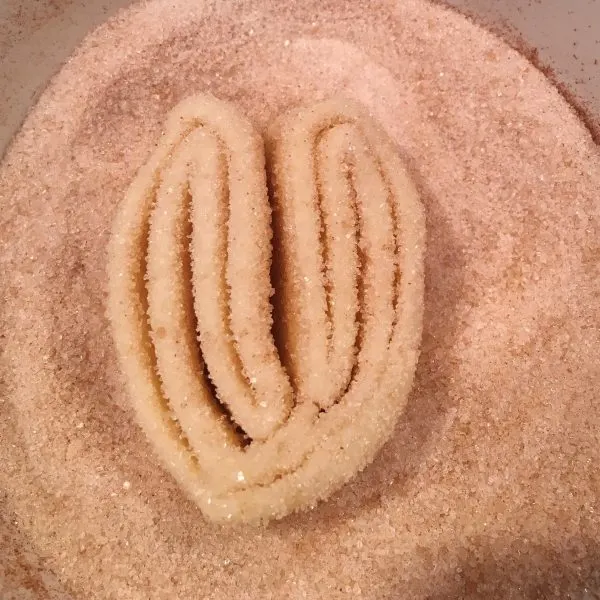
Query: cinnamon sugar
x=489, y=487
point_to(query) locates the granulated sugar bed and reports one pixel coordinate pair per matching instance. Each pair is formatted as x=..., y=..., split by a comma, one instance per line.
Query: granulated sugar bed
x=489, y=487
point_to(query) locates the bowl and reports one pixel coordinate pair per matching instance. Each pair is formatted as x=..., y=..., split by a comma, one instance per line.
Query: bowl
x=36, y=38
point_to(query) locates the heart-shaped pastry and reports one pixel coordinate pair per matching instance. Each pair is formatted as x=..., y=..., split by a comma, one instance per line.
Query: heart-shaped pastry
x=268, y=350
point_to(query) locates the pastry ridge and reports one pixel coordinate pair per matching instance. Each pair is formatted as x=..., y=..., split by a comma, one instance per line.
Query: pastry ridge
x=262, y=405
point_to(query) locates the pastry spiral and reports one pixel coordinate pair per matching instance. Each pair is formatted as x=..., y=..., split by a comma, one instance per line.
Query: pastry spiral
x=268, y=326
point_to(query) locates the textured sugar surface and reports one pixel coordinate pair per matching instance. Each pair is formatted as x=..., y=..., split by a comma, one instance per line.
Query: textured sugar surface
x=489, y=487
x=303, y=456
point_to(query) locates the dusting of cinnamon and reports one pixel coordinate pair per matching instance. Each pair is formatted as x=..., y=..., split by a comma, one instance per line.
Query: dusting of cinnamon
x=489, y=485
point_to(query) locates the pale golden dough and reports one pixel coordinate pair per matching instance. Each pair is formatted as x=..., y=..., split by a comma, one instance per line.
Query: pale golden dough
x=190, y=262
